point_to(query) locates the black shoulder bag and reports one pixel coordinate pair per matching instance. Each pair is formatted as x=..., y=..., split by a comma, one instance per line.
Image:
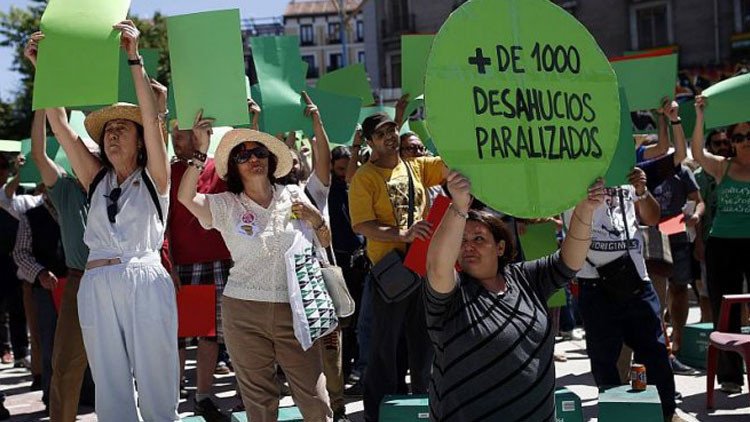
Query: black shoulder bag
x=619, y=279
x=393, y=281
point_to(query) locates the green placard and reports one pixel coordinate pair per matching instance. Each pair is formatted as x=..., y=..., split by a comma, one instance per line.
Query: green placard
x=647, y=80
x=29, y=172
x=539, y=240
x=127, y=87
x=414, y=52
x=281, y=79
x=10, y=146
x=624, y=159
x=420, y=128
x=687, y=116
x=338, y=112
x=727, y=102
x=522, y=100
x=76, y=122
x=78, y=59
x=208, y=67
x=351, y=81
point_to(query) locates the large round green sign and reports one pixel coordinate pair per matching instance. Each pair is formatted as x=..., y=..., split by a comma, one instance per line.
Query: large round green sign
x=521, y=99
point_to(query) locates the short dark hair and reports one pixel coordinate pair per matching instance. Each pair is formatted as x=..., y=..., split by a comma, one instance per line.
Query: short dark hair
x=234, y=181
x=142, y=159
x=731, y=129
x=340, y=152
x=406, y=135
x=499, y=232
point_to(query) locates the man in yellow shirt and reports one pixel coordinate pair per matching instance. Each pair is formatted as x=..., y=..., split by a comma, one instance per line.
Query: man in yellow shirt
x=379, y=208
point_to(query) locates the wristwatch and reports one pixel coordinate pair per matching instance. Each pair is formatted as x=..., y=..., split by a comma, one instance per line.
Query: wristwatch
x=641, y=196
x=135, y=62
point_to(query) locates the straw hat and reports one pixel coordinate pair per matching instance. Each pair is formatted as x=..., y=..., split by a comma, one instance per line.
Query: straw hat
x=238, y=136
x=96, y=121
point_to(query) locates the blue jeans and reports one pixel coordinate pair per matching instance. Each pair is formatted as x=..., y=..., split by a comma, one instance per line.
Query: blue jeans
x=364, y=327
x=567, y=312
x=636, y=323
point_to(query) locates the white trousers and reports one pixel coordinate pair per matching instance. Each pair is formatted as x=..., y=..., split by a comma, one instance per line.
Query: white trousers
x=128, y=316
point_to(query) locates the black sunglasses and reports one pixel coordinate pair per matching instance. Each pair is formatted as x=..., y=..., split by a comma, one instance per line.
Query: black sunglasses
x=112, y=210
x=740, y=137
x=244, y=155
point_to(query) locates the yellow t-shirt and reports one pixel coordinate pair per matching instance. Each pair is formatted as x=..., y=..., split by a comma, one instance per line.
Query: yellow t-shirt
x=380, y=194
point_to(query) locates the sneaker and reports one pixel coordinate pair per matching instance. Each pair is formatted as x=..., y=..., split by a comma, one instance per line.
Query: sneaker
x=731, y=388
x=675, y=418
x=353, y=378
x=679, y=368
x=7, y=358
x=341, y=417
x=208, y=410
x=355, y=391
x=570, y=335
x=222, y=368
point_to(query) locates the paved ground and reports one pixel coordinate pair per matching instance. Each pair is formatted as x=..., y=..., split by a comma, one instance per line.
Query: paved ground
x=574, y=374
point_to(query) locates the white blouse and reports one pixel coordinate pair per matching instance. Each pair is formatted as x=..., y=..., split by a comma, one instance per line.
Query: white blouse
x=137, y=231
x=257, y=239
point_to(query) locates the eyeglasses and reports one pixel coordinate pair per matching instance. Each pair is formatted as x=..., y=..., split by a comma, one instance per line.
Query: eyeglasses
x=740, y=137
x=112, y=210
x=244, y=155
x=415, y=149
x=722, y=143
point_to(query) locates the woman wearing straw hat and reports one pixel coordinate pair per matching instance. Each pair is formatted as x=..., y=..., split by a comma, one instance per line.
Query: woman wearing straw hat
x=260, y=221
x=126, y=301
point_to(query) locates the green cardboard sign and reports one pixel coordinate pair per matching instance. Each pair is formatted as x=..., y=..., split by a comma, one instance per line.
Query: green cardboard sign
x=126, y=87
x=351, y=81
x=281, y=79
x=78, y=61
x=76, y=122
x=647, y=80
x=338, y=112
x=522, y=100
x=624, y=159
x=29, y=173
x=727, y=102
x=414, y=52
x=208, y=67
x=10, y=146
x=687, y=116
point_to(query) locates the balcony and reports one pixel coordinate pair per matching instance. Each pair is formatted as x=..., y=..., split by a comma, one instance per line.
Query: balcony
x=334, y=39
x=307, y=42
x=394, y=28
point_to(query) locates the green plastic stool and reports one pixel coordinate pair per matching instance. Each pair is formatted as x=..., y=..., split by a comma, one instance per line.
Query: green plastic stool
x=286, y=414
x=404, y=409
x=568, y=406
x=194, y=419
x=622, y=404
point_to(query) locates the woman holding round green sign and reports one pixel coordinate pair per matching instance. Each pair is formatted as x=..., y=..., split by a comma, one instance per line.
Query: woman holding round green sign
x=489, y=322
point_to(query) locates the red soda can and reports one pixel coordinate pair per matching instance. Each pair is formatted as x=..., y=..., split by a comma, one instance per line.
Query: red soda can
x=638, y=377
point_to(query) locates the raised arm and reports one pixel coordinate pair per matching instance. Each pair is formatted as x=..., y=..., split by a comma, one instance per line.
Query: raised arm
x=662, y=146
x=197, y=203
x=254, y=109
x=354, y=161
x=320, y=145
x=47, y=167
x=712, y=164
x=158, y=162
x=401, y=106
x=445, y=246
x=575, y=247
x=85, y=164
x=680, y=145
x=11, y=186
x=647, y=208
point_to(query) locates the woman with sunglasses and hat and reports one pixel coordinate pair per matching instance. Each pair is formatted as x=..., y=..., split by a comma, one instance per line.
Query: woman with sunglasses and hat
x=126, y=300
x=260, y=221
x=729, y=239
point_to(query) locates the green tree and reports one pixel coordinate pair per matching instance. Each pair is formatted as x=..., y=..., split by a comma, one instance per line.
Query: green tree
x=15, y=27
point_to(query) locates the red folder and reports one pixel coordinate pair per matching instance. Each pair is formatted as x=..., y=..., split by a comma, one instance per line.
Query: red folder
x=196, y=311
x=673, y=225
x=416, y=259
x=57, y=293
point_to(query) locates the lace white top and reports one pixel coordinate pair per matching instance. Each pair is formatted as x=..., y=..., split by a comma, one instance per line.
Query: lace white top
x=257, y=239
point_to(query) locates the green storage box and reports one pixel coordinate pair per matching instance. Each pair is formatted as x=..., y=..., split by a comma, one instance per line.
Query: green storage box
x=404, y=409
x=694, y=346
x=286, y=414
x=194, y=419
x=568, y=406
x=621, y=404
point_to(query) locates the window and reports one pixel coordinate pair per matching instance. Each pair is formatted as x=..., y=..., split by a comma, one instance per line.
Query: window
x=306, y=35
x=334, y=61
x=360, y=57
x=651, y=25
x=360, y=31
x=312, y=70
x=744, y=16
x=334, y=32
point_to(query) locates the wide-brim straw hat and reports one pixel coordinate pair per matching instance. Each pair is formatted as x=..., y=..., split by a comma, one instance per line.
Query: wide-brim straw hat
x=238, y=136
x=96, y=120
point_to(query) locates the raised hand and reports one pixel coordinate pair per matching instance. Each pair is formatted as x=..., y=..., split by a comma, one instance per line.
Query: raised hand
x=202, y=130
x=129, y=37
x=32, y=47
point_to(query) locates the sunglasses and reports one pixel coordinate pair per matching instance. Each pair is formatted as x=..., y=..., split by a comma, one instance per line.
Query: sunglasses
x=740, y=137
x=112, y=209
x=414, y=149
x=244, y=155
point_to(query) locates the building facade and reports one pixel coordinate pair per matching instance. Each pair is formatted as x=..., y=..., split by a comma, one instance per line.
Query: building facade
x=319, y=27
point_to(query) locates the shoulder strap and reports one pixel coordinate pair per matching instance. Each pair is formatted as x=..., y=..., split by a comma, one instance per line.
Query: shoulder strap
x=95, y=182
x=152, y=192
x=411, y=194
x=624, y=219
x=726, y=170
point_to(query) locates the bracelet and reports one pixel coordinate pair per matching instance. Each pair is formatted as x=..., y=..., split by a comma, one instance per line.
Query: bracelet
x=197, y=164
x=575, y=214
x=458, y=212
x=200, y=156
x=322, y=225
x=676, y=122
x=136, y=62
x=641, y=197
x=578, y=238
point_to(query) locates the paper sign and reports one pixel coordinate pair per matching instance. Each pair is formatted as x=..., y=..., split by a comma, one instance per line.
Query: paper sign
x=57, y=293
x=29, y=173
x=196, y=311
x=416, y=258
x=351, y=81
x=414, y=52
x=727, y=102
x=624, y=159
x=673, y=225
x=78, y=61
x=208, y=67
x=339, y=114
x=10, y=146
x=126, y=84
x=647, y=79
x=522, y=100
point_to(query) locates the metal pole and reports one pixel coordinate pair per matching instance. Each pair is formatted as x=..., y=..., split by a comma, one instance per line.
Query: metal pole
x=342, y=33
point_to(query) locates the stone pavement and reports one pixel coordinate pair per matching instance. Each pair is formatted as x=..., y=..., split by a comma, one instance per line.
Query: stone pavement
x=574, y=374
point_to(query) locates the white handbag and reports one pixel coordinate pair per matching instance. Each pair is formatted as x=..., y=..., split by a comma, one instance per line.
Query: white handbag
x=336, y=285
